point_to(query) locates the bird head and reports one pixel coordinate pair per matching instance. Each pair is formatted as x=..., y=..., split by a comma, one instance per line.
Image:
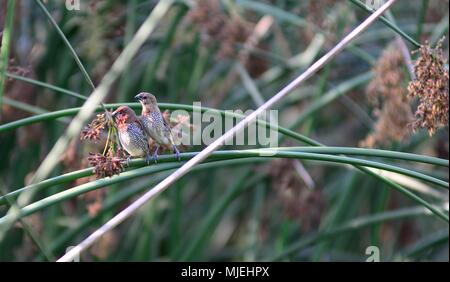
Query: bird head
x=124, y=114
x=147, y=100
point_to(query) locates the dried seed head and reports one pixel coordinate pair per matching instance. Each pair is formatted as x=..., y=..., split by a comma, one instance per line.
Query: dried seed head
x=105, y=166
x=387, y=93
x=216, y=27
x=389, y=79
x=19, y=70
x=93, y=130
x=431, y=87
x=299, y=203
x=19, y=91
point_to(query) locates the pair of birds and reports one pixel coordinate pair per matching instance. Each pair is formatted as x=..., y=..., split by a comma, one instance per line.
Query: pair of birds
x=135, y=131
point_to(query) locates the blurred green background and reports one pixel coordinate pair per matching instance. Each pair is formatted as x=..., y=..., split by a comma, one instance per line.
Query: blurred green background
x=242, y=210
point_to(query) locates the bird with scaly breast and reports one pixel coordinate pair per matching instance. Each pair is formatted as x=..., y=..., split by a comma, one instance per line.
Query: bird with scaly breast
x=131, y=133
x=154, y=123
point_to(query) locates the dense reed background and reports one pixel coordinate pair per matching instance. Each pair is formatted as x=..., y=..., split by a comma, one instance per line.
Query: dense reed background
x=307, y=204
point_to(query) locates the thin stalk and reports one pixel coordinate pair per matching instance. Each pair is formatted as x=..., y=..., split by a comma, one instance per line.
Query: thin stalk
x=67, y=43
x=388, y=23
x=130, y=28
x=5, y=48
x=370, y=153
x=405, y=192
x=23, y=106
x=422, y=17
x=46, y=85
x=428, y=243
x=331, y=96
x=440, y=30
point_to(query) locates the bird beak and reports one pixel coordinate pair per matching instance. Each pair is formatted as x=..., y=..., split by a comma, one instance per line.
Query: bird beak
x=138, y=97
x=113, y=114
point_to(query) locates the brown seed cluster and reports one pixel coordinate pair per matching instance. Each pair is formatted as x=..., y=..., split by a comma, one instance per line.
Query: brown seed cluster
x=106, y=166
x=93, y=130
x=431, y=87
x=26, y=93
x=387, y=93
x=19, y=70
x=299, y=203
x=19, y=91
x=217, y=27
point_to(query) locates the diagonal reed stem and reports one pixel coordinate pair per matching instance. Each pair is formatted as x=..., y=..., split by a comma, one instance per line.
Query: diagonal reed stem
x=67, y=43
x=388, y=23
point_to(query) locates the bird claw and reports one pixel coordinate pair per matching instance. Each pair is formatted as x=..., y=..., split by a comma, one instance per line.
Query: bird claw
x=155, y=156
x=148, y=159
x=177, y=153
x=128, y=161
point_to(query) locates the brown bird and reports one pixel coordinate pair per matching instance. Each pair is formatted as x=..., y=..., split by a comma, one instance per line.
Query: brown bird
x=154, y=123
x=131, y=133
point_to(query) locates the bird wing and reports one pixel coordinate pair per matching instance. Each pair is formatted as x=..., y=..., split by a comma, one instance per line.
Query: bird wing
x=139, y=123
x=168, y=130
x=165, y=122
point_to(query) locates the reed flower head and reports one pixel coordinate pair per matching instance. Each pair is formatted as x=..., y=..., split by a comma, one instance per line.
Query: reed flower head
x=431, y=87
x=387, y=93
x=216, y=27
x=299, y=202
x=105, y=166
x=93, y=130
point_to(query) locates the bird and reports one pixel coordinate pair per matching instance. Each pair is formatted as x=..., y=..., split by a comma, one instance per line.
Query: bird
x=131, y=133
x=154, y=123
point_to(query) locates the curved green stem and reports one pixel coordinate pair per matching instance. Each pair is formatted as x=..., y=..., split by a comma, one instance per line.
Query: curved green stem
x=230, y=155
x=388, y=23
x=46, y=85
x=369, y=153
x=169, y=106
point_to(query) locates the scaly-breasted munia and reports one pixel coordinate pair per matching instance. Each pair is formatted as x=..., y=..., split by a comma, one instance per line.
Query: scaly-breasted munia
x=154, y=123
x=131, y=133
